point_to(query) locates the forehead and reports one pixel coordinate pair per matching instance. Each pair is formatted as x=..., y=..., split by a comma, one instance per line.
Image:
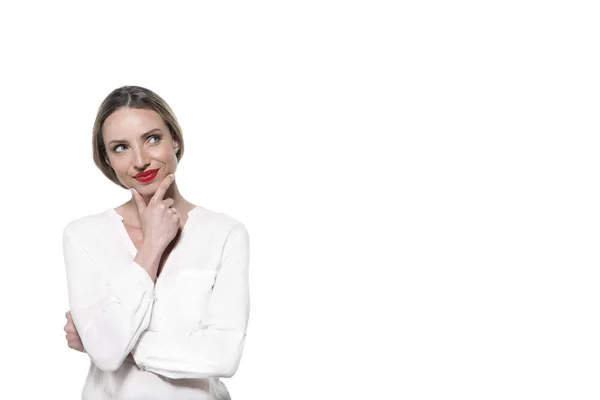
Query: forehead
x=131, y=121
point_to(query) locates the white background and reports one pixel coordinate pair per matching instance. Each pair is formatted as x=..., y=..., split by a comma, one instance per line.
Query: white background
x=419, y=180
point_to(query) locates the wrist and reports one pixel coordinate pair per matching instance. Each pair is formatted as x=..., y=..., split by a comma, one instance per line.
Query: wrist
x=148, y=257
x=152, y=250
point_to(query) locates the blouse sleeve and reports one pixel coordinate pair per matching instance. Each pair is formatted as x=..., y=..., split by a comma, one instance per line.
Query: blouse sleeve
x=110, y=303
x=214, y=350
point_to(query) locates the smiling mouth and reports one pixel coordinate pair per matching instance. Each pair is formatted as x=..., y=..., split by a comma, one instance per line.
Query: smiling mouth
x=148, y=176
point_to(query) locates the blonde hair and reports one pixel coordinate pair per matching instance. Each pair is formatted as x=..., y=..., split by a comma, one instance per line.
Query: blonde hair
x=133, y=97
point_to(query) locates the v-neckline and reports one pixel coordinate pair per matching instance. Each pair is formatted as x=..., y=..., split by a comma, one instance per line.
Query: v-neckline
x=131, y=246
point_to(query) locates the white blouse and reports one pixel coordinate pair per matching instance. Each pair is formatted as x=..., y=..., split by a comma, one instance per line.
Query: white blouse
x=185, y=331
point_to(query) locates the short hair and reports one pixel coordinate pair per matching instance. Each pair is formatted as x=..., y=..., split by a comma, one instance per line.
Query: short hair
x=133, y=97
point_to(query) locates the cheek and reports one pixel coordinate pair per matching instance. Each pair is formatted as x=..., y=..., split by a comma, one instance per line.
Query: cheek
x=166, y=155
x=119, y=167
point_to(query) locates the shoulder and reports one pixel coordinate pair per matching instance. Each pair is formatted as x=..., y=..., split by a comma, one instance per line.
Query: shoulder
x=220, y=222
x=86, y=226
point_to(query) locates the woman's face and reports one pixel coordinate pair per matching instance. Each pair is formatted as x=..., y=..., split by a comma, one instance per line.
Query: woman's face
x=138, y=140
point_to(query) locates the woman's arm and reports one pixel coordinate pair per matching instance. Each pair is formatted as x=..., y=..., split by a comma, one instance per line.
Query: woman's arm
x=110, y=304
x=216, y=349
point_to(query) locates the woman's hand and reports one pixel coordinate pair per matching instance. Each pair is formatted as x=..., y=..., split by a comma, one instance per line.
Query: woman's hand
x=160, y=221
x=73, y=339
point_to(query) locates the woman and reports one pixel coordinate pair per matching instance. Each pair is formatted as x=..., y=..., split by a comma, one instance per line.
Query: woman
x=158, y=286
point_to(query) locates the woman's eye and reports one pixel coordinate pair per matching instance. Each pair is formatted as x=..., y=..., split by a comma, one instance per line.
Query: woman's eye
x=155, y=136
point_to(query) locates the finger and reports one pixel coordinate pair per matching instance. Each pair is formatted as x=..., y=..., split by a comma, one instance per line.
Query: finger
x=139, y=200
x=75, y=342
x=69, y=317
x=75, y=345
x=70, y=327
x=162, y=188
x=177, y=217
x=168, y=201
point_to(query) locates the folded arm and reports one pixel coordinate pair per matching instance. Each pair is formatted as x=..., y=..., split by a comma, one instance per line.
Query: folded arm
x=110, y=304
x=214, y=350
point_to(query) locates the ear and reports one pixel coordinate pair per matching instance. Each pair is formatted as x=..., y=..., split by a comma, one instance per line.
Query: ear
x=175, y=146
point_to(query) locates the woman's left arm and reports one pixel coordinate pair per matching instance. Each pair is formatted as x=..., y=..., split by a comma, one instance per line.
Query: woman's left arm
x=216, y=349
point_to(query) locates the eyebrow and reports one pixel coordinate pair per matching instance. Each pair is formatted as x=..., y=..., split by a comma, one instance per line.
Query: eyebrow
x=142, y=136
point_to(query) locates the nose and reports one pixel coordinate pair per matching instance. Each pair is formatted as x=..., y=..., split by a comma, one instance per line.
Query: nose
x=140, y=159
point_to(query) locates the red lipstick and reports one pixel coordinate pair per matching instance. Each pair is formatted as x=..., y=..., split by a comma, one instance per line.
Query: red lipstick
x=147, y=176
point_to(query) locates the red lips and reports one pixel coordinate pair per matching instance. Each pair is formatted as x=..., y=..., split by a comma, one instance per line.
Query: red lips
x=146, y=176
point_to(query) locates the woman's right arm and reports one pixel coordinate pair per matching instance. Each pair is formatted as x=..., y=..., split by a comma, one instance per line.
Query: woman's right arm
x=110, y=304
